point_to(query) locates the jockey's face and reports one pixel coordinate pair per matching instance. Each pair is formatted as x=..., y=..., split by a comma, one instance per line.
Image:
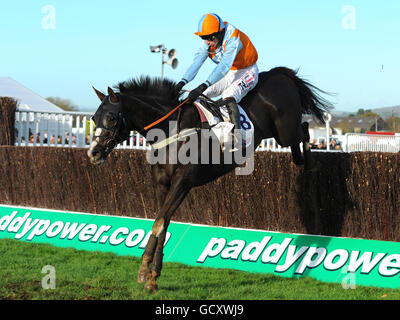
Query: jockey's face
x=211, y=41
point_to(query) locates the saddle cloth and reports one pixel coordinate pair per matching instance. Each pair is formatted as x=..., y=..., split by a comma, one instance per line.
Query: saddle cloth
x=222, y=126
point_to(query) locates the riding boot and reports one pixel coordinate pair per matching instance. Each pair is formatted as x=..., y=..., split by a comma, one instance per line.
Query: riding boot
x=235, y=118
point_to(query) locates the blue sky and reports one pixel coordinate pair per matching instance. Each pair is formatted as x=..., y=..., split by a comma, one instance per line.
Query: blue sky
x=340, y=46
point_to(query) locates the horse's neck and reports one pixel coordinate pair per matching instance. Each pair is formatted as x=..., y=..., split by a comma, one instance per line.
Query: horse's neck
x=145, y=111
x=188, y=117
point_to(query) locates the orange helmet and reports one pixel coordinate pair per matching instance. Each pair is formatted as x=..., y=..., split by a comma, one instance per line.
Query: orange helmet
x=209, y=24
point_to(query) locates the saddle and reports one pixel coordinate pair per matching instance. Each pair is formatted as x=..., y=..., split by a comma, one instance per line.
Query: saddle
x=215, y=116
x=211, y=112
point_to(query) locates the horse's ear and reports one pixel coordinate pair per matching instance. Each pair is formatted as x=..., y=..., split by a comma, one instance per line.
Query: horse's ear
x=99, y=94
x=113, y=96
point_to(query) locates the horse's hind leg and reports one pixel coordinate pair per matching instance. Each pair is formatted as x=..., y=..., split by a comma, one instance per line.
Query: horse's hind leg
x=290, y=133
x=296, y=155
x=310, y=164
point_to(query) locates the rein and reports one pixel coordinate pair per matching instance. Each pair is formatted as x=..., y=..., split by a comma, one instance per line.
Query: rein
x=173, y=110
x=166, y=116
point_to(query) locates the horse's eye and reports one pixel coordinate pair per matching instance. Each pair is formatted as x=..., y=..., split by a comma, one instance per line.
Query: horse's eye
x=111, y=118
x=110, y=121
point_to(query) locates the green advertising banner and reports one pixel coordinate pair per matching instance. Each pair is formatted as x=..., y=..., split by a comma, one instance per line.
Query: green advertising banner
x=347, y=261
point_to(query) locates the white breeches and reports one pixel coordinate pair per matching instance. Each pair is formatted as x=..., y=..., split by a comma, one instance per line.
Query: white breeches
x=236, y=84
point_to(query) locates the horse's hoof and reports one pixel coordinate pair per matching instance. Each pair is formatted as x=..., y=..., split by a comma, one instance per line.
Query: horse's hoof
x=143, y=277
x=151, y=287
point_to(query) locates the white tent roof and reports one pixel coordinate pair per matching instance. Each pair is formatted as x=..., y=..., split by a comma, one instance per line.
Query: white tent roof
x=27, y=100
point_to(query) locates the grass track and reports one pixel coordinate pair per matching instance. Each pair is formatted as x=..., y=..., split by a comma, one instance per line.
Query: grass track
x=83, y=275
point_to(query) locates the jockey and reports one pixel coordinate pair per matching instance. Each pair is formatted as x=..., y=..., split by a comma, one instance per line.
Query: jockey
x=236, y=72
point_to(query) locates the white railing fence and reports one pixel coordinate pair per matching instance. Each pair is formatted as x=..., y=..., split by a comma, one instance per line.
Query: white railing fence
x=75, y=129
x=271, y=145
x=372, y=142
x=69, y=129
x=50, y=129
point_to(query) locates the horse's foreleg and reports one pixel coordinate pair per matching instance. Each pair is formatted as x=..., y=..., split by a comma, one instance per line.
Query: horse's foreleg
x=147, y=258
x=151, y=284
x=153, y=252
x=148, y=255
x=173, y=199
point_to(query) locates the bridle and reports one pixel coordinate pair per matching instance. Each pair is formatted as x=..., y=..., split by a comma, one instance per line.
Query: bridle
x=114, y=137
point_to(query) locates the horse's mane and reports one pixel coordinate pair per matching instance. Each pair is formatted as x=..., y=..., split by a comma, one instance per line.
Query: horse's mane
x=151, y=87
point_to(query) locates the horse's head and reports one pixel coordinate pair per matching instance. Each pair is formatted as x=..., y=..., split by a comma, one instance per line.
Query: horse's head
x=111, y=126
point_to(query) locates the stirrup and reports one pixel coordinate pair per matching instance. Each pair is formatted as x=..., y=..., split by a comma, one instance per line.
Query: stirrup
x=237, y=139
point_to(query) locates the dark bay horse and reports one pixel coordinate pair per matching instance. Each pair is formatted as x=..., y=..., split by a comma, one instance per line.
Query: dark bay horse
x=275, y=106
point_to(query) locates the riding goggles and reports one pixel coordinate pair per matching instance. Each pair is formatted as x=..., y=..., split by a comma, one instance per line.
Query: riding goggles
x=209, y=37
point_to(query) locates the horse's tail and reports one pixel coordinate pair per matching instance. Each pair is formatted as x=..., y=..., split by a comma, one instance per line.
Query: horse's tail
x=311, y=100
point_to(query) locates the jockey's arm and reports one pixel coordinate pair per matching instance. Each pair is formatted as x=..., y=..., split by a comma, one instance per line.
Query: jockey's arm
x=199, y=58
x=232, y=47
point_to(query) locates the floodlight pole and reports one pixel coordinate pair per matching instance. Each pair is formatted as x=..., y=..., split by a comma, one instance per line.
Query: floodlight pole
x=163, y=51
x=173, y=61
